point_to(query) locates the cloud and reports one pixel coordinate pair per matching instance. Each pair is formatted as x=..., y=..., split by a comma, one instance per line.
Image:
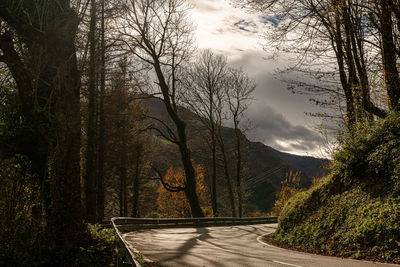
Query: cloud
x=206, y=6
x=273, y=129
x=277, y=116
x=236, y=34
x=223, y=27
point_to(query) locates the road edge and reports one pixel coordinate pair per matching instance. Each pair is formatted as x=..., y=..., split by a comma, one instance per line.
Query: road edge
x=259, y=240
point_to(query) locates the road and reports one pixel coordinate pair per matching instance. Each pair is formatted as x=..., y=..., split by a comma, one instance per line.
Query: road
x=226, y=246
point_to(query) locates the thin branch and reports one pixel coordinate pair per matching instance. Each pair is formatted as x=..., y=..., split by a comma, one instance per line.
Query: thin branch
x=170, y=132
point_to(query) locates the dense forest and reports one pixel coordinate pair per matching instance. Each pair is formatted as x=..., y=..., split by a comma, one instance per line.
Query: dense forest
x=96, y=99
x=108, y=109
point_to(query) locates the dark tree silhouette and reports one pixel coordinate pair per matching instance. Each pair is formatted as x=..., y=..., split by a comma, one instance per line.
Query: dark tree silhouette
x=39, y=51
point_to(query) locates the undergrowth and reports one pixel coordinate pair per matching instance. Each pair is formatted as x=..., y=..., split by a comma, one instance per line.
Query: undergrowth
x=355, y=211
x=99, y=248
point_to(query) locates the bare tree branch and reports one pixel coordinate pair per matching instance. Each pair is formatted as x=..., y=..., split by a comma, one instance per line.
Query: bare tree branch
x=168, y=187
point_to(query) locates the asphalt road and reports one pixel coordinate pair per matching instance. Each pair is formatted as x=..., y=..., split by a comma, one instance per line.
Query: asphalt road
x=226, y=246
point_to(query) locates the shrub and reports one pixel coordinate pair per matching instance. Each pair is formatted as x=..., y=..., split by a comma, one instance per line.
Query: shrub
x=290, y=187
x=372, y=157
x=18, y=195
x=99, y=247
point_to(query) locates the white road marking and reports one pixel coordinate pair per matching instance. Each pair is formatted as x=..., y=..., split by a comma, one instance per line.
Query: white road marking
x=288, y=264
x=262, y=242
x=268, y=245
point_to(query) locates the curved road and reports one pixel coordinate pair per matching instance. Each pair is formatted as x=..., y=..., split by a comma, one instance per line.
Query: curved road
x=226, y=246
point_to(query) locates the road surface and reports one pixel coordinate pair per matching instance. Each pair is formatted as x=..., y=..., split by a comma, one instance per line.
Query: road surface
x=226, y=246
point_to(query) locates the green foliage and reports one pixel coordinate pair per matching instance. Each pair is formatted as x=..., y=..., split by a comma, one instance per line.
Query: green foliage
x=18, y=196
x=372, y=157
x=351, y=224
x=107, y=235
x=355, y=212
x=22, y=152
x=9, y=111
x=99, y=248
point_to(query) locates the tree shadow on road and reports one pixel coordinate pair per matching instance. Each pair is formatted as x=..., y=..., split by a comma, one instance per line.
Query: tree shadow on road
x=209, y=248
x=203, y=234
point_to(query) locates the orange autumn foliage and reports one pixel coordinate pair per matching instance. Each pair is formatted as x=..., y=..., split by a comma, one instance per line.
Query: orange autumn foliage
x=175, y=205
x=290, y=187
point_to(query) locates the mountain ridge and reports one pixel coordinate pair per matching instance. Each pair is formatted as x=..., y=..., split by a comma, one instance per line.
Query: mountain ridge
x=264, y=167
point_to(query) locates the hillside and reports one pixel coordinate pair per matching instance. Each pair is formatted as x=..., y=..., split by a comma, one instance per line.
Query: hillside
x=309, y=165
x=355, y=212
x=264, y=167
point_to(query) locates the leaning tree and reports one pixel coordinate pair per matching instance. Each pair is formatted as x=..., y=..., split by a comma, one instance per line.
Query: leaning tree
x=160, y=35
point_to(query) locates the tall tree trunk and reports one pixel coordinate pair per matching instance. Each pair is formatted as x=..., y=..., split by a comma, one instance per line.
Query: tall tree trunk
x=356, y=35
x=359, y=57
x=226, y=173
x=136, y=181
x=213, y=150
x=338, y=43
x=353, y=81
x=214, y=174
x=64, y=143
x=90, y=175
x=238, y=170
x=190, y=175
x=59, y=124
x=389, y=56
x=123, y=175
x=122, y=178
x=101, y=151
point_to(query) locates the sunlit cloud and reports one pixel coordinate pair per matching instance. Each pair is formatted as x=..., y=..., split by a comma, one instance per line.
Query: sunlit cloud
x=222, y=27
x=237, y=34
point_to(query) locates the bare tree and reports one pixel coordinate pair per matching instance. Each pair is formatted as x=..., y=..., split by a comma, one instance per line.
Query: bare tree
x=239, y=92
x=204, y=82
x=221, y=116
x=101, y=132
x=96, y=47
x=343, y=46
x=158, y=33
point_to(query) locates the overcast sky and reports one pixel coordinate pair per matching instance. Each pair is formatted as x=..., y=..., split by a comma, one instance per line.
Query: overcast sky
x=277, y=115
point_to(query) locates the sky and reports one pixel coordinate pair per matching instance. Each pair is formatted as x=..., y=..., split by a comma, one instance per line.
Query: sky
x=277, y=116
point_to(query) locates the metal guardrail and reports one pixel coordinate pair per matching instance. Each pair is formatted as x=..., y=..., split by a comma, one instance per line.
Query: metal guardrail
x=127, y=257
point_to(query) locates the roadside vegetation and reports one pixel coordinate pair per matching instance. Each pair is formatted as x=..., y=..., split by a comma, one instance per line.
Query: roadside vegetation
x=291, y=186
x=107, y=108
x=355, y=211
x=345, y=58
x=99, y=248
